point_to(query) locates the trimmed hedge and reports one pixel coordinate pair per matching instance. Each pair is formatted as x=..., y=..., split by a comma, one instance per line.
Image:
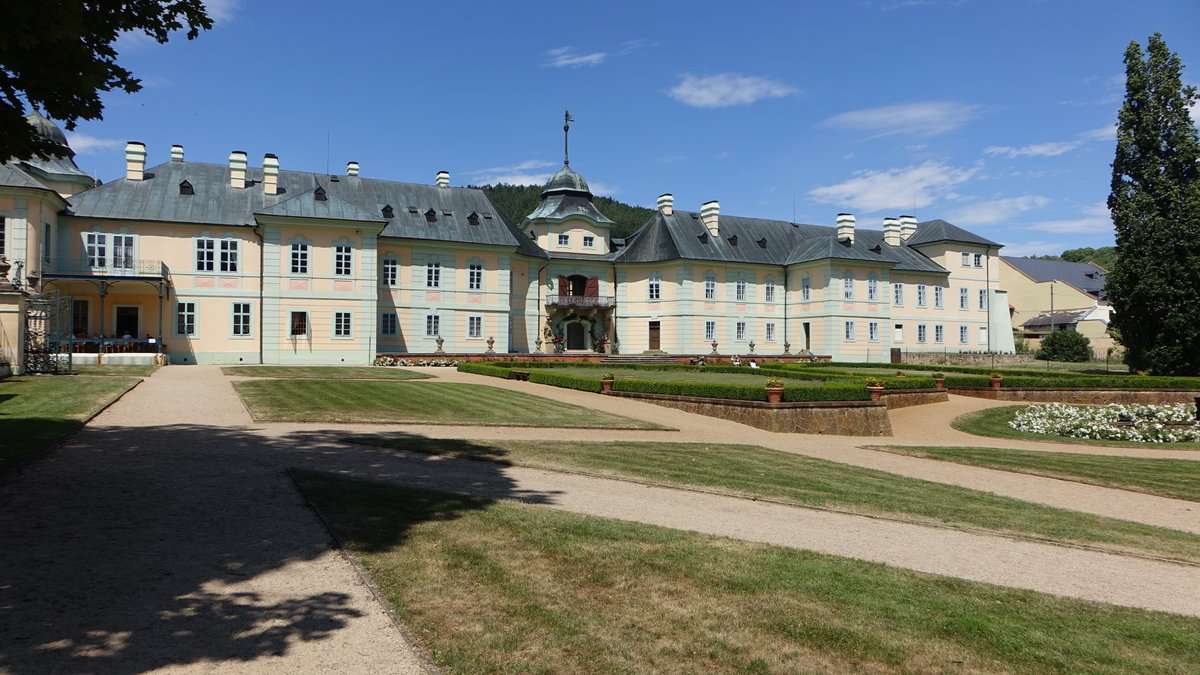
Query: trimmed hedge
x=743, y=392
x=565, y=381
x=774, y=369
x=485, y=369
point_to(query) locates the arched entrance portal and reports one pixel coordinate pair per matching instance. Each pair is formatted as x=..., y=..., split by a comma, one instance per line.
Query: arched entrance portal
x=576, y=335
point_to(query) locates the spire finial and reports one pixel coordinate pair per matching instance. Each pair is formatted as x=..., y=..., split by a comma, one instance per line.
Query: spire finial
x=567, y=119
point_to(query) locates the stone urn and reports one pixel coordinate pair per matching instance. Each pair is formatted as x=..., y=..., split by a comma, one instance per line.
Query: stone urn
x=714, y=346
x=439, y=342
x=491, y=343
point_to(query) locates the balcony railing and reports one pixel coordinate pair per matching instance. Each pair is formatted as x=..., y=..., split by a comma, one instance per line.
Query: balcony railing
x=581, y=300
x=109, y=267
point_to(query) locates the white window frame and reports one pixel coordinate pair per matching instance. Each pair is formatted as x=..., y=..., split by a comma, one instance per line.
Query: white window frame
x=589, y=241
x=343, y=325
x=185, y=318
x=739, y=290
x=433, y=325
x=939, y=333
x=298, y=252
x=95, y=247
x=710, y=330
x=241, y=325
x=898, y=332
x=292, y=314
x=983, y=299
x=433, y=274
x=769, y=331
x=769, y=291
x=343, y=260
x=979, y=260
x=939, y=297
x=389, y=271
x=964, y=298
x=127, y=243
x=475, y=276
x=564, y=240
x=654, y=287
x=873, y=331
x=206, y=254
x=710, y=287
x=964, y=335
x=872, y=288
x=475, y=326
x=228, y=259
x=922, y=333
x=848, y=286
x=848, y=331
x=389, y=324
x=805, y=288
x=739, y=331
x=898, y=294
x=922, y=295
x=966, y=258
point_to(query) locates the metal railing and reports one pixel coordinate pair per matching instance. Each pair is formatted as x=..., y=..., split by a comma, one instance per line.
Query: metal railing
x=109, y=267
x=581, y=300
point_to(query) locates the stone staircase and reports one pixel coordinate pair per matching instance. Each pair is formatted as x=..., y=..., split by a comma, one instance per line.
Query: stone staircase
x=627, y=359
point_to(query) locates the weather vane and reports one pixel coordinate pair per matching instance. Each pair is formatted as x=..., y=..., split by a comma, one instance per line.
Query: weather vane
x=567, y=119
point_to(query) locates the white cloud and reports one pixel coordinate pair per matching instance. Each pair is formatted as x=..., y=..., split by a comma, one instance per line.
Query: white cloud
x=875, y=190
x=520, y=166
x=567, y=56
x=995, y=210
x=928, y=118
x=727, y=89
x=1104, y=133
x=1096, y=218
x=220, y=11
x=1029, y=248
x=1036, y=150
x=84, y=144
x=522, y=173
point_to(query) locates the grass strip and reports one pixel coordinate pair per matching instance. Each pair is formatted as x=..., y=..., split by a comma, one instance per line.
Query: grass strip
x=994, y=422
x=325, y=372
x=37, y=412
x=368, y=401
x=754, y=471
x=1176, y=478
x=116, y=369
x=499, y=587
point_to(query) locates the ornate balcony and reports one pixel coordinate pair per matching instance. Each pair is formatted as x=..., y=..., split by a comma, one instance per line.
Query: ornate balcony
x=597, y=301
x=110, y=268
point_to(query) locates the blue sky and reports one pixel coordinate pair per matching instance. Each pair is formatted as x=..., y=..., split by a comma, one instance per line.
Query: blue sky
x=995, y=115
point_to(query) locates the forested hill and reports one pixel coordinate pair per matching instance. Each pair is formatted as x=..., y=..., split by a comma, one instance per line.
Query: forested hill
x=1105, y=256
x=518, y=201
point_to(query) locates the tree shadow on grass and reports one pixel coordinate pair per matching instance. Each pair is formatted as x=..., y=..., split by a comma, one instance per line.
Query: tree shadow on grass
x=130, y=549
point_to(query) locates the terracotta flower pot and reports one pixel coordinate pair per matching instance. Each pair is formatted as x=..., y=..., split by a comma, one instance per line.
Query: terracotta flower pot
x=774, y=394
x=605, y=386
x=996, y=382
x=875, y=392
x=940, y=382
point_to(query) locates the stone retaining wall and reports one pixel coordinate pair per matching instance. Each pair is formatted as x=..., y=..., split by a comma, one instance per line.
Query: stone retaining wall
x=1080, y=396
x=835, y=418
x=903, y=398
x=950, y=358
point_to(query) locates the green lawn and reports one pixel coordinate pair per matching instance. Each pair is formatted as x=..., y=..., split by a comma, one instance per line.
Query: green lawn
x=367, y=401
x=501, y=587
x=325, y=372
x=1178, y=478
x=753, y=471
x=750, y=377
x=37, y=412
x=994, y=422
x=121, y=370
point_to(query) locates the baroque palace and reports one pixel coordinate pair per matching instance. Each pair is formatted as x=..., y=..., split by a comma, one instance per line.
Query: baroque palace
x=232, y=263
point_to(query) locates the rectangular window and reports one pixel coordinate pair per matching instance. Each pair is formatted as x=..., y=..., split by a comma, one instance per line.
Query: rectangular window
x=962, y=335
x=710, y=331
x=938, y=297
x=341, y=324
x=966, y=259
x=921, y=332
x=589, y=241
x=964, y=301
x=299, y=259
x=433, y=275
x=654, y=288
x=343, y=261
x=229, y=255
x=983, y=336
x=205, y=255
x=241, y=318
x=123, y=256
x=185, y=318
x=79, y=318
x=898, y=333
x=710, y=288
x=46, y=243
x=299, y=324
x=388, y=271
x=741, y=330
x=922, y=294
x=433, y=325
x=849, y=331
x=4, y=237
x=939, y=334
x=898, y=294
x=475, y=276
x=769, y=332
x=848, y=286
x=873, y=331
x=474, y=326
x=979, y=260
x=388, y=324
x=769, y=292
x=564, y=240
x=805, y=289
x=983, y=298
x=96, y=247
x=739, y=290
x=872, y=288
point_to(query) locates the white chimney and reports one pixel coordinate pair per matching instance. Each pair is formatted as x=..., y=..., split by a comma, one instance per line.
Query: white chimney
x=135, y=160
x=351, y=168
x=176, y=153
x=666, y=204
x=845, y=227
x=908, y=227
x=891, y=231
x=443, y=179
x=237, y=169
x=270, y=174
x=710, y=213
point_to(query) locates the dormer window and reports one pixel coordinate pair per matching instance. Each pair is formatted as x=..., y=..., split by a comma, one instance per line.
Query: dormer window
x=388, y=212
x=185, y=188
x=413, y=210
x=487, y=215
x=447, y=212
x=733, y=240
x=319, y=195
x=473, y=218
x=431, y=216
x=762, y=243
x=703, y=238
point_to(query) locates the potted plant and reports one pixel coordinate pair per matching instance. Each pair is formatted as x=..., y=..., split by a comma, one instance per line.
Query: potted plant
x=606, y=382
x=899, y=373
x=874, y=387
x=939, y=380
x=774, y=390
x=995, y=379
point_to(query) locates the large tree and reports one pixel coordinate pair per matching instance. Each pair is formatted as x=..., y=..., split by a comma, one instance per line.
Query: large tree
x=56, y=56
x=1155, y=202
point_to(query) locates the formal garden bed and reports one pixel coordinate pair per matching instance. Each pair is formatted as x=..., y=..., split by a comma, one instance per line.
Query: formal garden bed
x=1138, y=423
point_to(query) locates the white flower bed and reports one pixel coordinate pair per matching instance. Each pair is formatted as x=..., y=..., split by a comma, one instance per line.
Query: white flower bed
x=1100, y=422
x=397, y=361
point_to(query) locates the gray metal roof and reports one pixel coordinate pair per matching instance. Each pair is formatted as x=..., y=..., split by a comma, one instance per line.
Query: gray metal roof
x=13, y=176
x=932, y=231
x=563, y=206
x=1087, y=277
x=1063, y=318
x=307, y=205
x=759, y=241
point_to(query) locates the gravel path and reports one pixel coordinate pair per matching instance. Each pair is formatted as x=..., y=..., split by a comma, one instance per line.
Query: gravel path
x=166, y=535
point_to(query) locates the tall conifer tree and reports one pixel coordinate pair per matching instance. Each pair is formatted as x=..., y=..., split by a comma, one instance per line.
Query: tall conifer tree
x=1155, y=203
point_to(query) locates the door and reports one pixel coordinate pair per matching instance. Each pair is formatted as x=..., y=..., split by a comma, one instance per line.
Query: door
x=127, y=321
x=575, y=336
x=655, y=333
x=807, y=336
